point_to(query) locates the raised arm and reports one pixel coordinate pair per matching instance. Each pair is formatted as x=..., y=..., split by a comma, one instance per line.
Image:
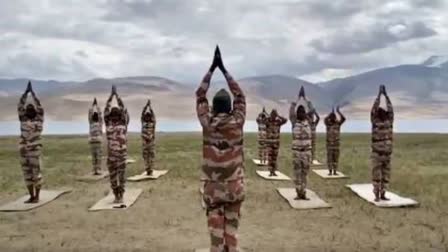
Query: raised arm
x=327, y=120
x=342, y=120
x=317, y=117
x=376, y=105
x=21, y=105
x=119, y=101
x=90, y=115
x=265, y=113
x=126, y=116
x=292, y=112
x=282, y=120
x=202, y=107
x=153, y=116
x=260, y=118
x=390, y=108
x=39, y=108
x=144, y=111
x=107, y=108
x=239, y=100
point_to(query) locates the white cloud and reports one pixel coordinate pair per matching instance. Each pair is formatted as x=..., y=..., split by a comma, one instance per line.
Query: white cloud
x=176, y=38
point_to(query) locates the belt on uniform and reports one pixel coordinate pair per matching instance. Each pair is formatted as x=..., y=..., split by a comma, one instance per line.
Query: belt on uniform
x=301, y=149
x=380, y=140
x=382, y=153
x=222, y=145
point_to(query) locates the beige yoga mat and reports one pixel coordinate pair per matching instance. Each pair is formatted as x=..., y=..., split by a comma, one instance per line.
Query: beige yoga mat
x=259, y=163
x=155, y=175
x=314, y=203
x=280, y=176
x=45, y=197
x=317, y=163
x=324, y=174
x=90, y=177
x=130, y=161
x=365, y=191
x=130, y=197
x=201, y=193
x=208, y=250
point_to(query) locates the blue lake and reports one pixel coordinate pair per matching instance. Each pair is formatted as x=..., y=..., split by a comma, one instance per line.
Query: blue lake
x=354, y=126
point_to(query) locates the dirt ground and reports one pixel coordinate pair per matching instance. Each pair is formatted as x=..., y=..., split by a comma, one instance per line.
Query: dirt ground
x=168, y=215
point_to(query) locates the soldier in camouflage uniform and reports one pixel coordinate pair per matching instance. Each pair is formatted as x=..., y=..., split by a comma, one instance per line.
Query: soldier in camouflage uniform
x=333, y=125
x=31, y=116
x=223, y=158
x=273, y=125
x=116, y=119
x=96, y=136
x=312, y=113
x=148, y=137
x=301, y=145
x=261, y=121
x=382, y=138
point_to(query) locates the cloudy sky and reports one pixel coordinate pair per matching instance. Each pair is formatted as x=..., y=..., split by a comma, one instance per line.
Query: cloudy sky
x=310, y=39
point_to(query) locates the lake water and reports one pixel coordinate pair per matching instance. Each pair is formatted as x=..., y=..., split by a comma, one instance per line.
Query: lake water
x=353, y=126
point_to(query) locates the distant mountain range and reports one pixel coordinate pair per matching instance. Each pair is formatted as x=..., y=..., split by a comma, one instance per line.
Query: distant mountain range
x=417, y=91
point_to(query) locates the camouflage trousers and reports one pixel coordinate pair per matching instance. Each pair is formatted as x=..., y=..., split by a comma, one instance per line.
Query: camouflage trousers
x=223, y=201
x=97, y=155
x=262, y=151
x=31, y=170
x=380, y=171
x=313, y=144
x=117, y=168
x=332, y=157
x=272, y=150
x=148, y=157
x=302, y=161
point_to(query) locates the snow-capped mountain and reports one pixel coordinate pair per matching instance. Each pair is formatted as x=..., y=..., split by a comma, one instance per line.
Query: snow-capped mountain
x=440, y=61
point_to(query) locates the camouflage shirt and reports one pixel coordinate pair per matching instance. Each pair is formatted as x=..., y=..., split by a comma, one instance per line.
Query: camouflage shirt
x=301, y=131
x=301, y=136
x=222, y=151
x=333, y=132
x=261, y=121
x=96, y=128
x=382, y=131
x=116, y=132
x=273, y=126
x=148, y=128
x=30, y=129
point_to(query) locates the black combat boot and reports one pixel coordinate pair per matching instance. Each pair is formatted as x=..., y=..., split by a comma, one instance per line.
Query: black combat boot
x=377, y=195
x=117, y=196
x=383, y=196
x=31, y=192
x=36, y=194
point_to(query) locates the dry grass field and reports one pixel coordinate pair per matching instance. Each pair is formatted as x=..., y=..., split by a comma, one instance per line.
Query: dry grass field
x=168, y=215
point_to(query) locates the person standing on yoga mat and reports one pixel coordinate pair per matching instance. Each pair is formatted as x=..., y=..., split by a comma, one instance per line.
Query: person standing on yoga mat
x=148, y=119
x=261, y=121
x=31, y=116
x=301, y=144
x=117, y=120
x=96, y=136
x=314, y=116
x=382, y=139
x=333, y=125
x=273, y=125
x=222, y=157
